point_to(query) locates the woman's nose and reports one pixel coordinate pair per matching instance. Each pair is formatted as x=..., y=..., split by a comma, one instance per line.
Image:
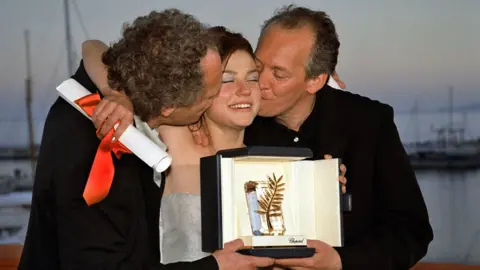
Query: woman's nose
x=243, y=89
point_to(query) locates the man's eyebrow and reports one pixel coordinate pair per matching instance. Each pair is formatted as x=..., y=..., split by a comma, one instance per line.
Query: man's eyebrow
x=280, y=69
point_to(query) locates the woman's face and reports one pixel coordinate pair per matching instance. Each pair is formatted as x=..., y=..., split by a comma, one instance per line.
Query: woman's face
x=238, y=101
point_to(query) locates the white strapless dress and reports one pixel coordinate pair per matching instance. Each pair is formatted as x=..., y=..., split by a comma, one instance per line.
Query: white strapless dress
x=180, y=228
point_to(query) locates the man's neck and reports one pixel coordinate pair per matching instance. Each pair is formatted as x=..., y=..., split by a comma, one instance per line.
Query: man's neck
x=294, y=118
x=222, y=137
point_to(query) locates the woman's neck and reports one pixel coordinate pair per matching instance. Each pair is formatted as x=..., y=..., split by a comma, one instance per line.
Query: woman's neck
x=222, y=137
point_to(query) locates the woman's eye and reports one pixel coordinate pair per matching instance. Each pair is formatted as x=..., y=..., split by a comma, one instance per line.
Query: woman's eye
x=227, y=78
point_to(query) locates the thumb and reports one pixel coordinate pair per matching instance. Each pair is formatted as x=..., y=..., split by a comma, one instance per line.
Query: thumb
x=234, y=245
x=316, y=244
x=262, y=262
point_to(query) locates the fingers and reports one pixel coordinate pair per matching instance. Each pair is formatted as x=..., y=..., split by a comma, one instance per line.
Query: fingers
x=103, y=109
x=340, y=83
x=200, y=133
x=261, y=262
x=342, y=180
x=234, y=245
x=113, y=117
x=197, y=137
x=206, y=137
x=126, y=120
x=343, y=169
x=296, y=263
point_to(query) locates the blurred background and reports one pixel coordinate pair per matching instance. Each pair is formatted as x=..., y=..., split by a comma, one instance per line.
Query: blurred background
x=421, y=57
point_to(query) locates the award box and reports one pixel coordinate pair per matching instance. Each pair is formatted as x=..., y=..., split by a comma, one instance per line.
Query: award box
x=273, y=198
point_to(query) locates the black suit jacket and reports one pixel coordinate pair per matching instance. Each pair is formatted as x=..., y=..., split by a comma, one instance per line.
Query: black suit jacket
x=121, y=232
x=388, y=227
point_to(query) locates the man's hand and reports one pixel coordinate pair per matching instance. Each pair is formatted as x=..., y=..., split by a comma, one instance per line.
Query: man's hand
x=337, y=79
x=229, y=259
x=342, y=179
x=114, y=107
x=326, y=257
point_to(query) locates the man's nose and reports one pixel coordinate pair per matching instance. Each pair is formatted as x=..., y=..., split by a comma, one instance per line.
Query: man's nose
x=264, y=81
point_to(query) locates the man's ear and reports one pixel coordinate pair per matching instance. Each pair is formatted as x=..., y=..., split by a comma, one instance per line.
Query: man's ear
x=317, y=83
x=166, y=112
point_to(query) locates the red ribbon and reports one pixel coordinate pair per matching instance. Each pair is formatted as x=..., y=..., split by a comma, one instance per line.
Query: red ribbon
x=101, y=174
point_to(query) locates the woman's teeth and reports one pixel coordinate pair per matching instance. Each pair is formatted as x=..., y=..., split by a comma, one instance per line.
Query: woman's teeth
x=241, y=106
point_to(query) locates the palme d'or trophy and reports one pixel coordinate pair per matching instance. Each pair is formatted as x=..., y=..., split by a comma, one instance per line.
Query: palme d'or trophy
x=264, y=199
x=264, y=202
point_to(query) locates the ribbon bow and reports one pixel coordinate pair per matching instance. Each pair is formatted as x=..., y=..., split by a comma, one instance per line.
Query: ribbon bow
x=101, y=174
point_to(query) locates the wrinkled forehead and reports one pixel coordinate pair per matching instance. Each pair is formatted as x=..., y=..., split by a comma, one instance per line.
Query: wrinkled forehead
x=279, y=45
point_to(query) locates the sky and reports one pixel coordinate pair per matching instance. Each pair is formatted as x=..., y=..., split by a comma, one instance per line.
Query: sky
x=393, y=51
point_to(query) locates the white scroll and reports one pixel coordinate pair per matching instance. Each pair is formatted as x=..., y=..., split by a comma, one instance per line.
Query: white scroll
x=140, y=145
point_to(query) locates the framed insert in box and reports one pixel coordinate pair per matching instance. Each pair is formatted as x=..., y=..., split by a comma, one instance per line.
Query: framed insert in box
x=272, y=198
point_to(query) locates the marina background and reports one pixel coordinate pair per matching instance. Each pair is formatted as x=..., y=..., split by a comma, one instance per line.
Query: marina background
x=421, y=58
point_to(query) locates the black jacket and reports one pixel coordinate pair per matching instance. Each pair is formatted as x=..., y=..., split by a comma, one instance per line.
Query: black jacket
x=388, y=227
x=121, y=232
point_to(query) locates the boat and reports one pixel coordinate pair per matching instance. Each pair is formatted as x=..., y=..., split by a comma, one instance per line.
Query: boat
x=15, y=212
x=449, y=151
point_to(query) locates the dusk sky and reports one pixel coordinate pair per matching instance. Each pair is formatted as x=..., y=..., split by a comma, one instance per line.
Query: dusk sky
x=393, y=51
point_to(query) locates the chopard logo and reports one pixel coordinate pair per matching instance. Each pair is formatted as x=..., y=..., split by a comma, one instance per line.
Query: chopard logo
x=293, y=240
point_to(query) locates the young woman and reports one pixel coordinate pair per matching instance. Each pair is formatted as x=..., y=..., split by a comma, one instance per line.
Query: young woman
x=231, y=111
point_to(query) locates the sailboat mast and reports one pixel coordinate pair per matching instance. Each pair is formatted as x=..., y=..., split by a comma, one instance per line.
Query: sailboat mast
x=417, y=130
x=450, y=135
x=28, y=101
x=68, y=38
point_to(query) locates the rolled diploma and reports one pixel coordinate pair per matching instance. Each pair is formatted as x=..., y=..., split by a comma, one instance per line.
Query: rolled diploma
x=132, y=138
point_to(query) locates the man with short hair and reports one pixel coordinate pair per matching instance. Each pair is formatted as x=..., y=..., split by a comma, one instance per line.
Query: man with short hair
x=389, y=226
x=170, y=69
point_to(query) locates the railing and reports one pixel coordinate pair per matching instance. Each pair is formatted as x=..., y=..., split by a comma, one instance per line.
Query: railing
x=10, y=255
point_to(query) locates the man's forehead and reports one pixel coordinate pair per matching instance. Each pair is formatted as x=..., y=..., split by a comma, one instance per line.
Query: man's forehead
x=280, y=45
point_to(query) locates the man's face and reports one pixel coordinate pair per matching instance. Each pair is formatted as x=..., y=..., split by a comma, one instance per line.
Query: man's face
x=211, y=66
x=281, y=58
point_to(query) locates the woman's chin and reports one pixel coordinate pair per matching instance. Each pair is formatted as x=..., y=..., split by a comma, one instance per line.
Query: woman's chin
x=242, y=123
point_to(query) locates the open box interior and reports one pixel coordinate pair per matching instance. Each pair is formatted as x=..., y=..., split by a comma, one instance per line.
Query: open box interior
x=310, y=204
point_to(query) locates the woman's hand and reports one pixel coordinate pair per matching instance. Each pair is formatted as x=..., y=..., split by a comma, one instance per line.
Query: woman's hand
x=114, y=107
x=342, y=179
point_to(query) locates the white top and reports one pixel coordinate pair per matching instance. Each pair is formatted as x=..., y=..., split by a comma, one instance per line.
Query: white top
x=180, y=225
x=180, y=228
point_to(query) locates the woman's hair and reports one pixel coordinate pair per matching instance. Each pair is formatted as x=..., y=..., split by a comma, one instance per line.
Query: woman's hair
x=229, y=42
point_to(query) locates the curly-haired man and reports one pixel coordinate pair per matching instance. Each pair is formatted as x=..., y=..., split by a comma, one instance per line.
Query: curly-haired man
x=166, y=64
